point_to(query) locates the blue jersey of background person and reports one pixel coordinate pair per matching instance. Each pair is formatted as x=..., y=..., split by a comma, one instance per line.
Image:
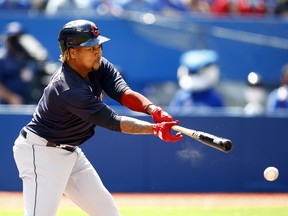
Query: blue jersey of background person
x=278, y=98
x=22, y=59
x=10, y=76
x=12, y=63
x=198, y=74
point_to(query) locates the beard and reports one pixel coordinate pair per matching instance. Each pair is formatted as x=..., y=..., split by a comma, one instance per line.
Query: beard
x=96, y=65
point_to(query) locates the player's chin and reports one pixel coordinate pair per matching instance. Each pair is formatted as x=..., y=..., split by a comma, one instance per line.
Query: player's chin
x=96, y=66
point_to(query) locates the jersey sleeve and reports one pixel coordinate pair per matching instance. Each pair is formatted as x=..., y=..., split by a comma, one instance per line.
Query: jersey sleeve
x=112, y=82
x=106, y=118
x=88, y=108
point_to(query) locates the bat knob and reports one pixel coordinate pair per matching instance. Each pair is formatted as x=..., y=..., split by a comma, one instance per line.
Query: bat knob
x=227, y=145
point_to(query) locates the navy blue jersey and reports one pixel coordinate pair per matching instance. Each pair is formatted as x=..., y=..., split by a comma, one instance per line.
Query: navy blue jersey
x=71, y=106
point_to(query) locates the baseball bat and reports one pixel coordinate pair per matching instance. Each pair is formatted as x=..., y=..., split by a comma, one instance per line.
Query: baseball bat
x=219, y=143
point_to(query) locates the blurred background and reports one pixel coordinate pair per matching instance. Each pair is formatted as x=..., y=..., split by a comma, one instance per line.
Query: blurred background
x=220, y=66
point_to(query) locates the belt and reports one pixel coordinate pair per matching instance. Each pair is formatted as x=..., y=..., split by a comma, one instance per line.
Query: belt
x=69, y=148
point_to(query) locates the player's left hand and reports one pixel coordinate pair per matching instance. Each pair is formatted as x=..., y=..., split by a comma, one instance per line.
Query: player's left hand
x=163, y=131
x=159, y=115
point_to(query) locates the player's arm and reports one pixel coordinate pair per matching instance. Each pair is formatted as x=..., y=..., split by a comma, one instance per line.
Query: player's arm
x=139, y=103
x=107, y=118
x=162, y=130
x=10, y=97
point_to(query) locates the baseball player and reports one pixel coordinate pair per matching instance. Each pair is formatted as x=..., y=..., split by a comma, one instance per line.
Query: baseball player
x=47, y=151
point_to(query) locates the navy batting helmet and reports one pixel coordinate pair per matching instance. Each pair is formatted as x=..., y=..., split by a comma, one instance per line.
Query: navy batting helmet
x=80, y=33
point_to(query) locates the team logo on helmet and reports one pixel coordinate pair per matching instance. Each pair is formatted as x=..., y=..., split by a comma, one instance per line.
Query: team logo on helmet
x=95, y=31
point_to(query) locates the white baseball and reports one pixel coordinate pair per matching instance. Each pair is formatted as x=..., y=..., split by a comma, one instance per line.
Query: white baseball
x=271, y=173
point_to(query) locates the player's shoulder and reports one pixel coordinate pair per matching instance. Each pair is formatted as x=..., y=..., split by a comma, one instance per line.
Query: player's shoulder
x=104, y=60
x=106, y=68
x=65, y=79
x=105, y=63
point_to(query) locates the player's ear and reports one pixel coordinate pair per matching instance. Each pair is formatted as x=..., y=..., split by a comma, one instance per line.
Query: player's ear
x=72, y=52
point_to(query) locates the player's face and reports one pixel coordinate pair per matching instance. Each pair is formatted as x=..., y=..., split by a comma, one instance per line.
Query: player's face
x=89, y=57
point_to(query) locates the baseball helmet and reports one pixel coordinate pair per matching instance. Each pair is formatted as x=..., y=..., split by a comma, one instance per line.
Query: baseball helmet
x=83, y=33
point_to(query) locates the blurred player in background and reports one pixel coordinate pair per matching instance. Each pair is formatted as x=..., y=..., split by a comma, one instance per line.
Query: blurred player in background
x=278, y=98
x=255, y=95
x=22, y=64
x=198, y=75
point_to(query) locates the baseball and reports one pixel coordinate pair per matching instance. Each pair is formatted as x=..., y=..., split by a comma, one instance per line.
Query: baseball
x=271, y=173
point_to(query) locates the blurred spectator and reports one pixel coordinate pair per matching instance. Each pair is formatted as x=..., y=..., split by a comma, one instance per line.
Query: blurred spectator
x=101, y=7
x=23, y=5
x=15, y=4
x=239, y=7
x=255, y=95
x=198, y=75
x=140, y=5
x=38, y=5
x=281, y=8
x=54, y=6
x=116, y=7
x=20, y=59
x=271, y=4
x=278, y=98
x=197, y=6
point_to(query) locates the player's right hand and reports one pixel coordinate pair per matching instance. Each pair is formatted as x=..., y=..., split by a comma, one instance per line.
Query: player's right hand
x=159, y=115
x=163, y=131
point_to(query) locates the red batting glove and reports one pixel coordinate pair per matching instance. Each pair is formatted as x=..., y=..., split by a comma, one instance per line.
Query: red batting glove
x=163, y=131
x=160, y=115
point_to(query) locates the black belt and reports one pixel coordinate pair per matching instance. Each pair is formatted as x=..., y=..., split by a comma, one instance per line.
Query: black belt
x=69, y=148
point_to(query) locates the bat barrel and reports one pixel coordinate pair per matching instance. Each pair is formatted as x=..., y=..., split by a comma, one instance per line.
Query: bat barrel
x=222, y=144
x=226, y=145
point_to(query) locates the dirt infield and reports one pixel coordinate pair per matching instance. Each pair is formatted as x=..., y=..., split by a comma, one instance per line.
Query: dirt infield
x=13, y=200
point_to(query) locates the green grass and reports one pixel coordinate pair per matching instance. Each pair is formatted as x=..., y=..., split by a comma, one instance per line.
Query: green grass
x=204, y=211
x=281, y=211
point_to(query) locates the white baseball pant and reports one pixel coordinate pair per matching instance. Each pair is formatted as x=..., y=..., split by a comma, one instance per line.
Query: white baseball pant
x=49, y=172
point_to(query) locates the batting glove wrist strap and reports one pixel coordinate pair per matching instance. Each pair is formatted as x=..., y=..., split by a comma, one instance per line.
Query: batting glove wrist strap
x=163, y=131
x=159, y=115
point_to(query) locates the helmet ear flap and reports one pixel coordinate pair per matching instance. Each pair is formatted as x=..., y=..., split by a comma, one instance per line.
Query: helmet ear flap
x=62, y=46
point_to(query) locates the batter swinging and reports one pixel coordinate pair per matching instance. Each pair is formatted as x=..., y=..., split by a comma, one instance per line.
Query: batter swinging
x=47, y=152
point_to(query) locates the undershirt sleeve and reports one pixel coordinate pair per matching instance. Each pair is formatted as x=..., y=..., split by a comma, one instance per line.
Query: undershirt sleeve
x=135, y=101
x=106, y=118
